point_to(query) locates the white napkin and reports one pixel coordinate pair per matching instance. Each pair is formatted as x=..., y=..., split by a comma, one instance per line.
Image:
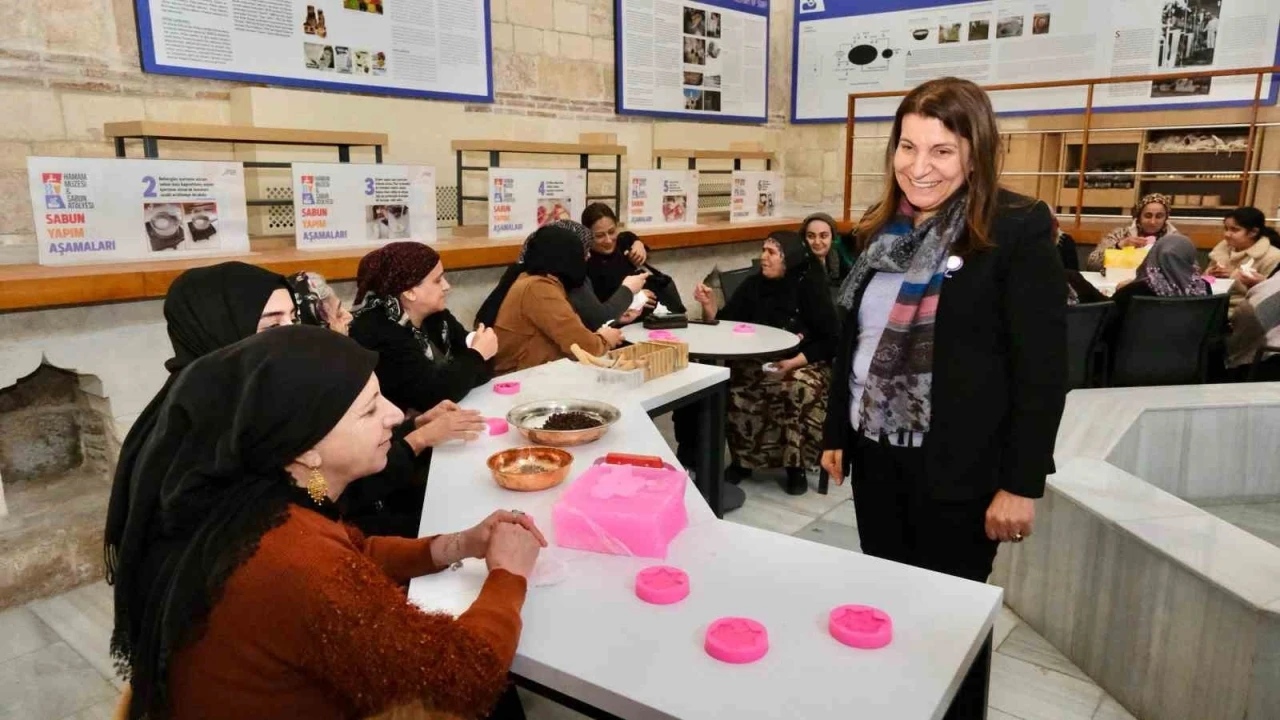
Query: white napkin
x=638, y=301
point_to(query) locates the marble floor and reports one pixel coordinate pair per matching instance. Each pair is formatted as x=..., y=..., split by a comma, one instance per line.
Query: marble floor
x=1262, y=519
x=54, y=661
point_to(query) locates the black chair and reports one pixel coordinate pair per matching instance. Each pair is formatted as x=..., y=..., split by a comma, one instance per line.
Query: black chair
x=731, y=280
x=1264, y=368
x=1167, y=341
x=1086, y=324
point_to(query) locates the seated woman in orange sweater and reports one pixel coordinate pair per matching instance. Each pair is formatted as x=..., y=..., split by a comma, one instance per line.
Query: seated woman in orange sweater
x=243, y=595
x=535, y=323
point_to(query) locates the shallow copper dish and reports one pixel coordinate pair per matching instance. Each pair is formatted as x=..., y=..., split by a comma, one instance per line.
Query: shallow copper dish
x=530, y=417
x=530, y=468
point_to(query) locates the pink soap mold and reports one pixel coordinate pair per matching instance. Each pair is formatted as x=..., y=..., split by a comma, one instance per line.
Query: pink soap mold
x=662, y=335
x=497, y=426
x=506, y=388
x=662, y=585
x=861, y=626
x=744, y=329
x=622, y=510
x=736, y=640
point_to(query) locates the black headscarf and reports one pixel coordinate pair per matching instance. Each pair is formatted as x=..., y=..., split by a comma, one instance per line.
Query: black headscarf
x=206, y=309
x=211, y=307
x=232, y=422
x=488, y=312
x=776, y=301
x=558, y=252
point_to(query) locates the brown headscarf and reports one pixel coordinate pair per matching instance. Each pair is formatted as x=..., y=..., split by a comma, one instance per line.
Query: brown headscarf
x=394, y=268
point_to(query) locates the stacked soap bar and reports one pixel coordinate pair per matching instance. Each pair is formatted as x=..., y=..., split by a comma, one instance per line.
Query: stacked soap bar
x=622, y=510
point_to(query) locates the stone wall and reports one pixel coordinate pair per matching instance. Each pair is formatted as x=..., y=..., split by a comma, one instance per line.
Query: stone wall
x=68, y=67
x=57, y=453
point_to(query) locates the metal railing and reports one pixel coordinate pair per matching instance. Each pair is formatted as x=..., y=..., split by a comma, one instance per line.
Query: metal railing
x=1246, y=174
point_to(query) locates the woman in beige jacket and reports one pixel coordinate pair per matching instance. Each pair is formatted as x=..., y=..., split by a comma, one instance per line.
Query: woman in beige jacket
x=536, y=324
x=1249, y=252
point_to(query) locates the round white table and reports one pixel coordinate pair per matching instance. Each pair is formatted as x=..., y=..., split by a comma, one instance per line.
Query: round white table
x=721, y=342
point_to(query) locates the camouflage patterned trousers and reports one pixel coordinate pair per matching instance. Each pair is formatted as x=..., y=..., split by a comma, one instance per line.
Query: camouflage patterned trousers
x=776, y=423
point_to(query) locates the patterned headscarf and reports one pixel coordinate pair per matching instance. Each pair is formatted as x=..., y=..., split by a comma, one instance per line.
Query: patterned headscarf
x=394, y=268
x=1170, y=268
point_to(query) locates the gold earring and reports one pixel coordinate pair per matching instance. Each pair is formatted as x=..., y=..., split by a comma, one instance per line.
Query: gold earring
x=317, y=488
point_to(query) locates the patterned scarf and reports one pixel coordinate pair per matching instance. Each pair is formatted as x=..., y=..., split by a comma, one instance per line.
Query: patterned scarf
x=390, y=305
x=897, y=391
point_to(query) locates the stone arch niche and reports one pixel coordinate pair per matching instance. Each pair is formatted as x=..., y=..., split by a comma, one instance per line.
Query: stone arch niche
x=58, y=448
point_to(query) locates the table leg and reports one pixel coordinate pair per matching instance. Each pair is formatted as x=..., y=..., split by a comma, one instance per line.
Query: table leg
x=971, y=700
x=710, y=465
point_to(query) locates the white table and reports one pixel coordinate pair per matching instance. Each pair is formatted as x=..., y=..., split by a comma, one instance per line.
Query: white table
x=720, y=341
x=1108, y=287
x=588, y=641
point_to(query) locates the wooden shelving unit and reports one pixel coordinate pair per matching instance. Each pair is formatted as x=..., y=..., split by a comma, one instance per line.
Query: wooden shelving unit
x=1124, y=166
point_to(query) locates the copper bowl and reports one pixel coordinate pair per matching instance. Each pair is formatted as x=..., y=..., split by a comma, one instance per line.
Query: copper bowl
x=530, y=468
x=530, y=418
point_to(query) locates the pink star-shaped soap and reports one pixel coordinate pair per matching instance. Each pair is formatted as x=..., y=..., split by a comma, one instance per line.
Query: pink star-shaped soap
x=737, y=640
x=662, y=585
x=861, y=626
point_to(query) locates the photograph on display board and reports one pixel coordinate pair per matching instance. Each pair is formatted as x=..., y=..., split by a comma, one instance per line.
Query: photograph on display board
x=949, y=33
x=1040, y=23
x=314, y=23
x=764, y=204
x=552, y=209
x=342, y=60
x=692, y=99
x=379, y=63
x=711, y=101
x=695, y=51
x=713, y=49
x=181, y=226
x=1188, y=33
x=674, y=207
x=695, y=22
x=1181, y=87
x=387, y=222
x=369, y=6
x=713, y=24
x=979, y=30
x=692, y=78
x=1009, y=26
x=363, y=62
x=920, y=34
x=711, y=81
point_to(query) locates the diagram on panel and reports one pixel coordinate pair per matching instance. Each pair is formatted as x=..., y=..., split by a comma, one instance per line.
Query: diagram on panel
x=865, y=52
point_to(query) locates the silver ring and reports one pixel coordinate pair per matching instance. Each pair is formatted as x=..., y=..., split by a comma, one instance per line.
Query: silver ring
x=1017, y=537
x=517, y=513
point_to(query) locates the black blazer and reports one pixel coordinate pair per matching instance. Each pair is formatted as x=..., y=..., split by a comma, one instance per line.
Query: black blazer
x=999, y=380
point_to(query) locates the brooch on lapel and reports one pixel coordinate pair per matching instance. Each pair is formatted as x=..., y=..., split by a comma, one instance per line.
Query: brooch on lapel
x=954, y=263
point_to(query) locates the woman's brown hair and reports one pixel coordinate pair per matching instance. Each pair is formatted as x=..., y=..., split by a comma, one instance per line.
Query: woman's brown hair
x=963, y=108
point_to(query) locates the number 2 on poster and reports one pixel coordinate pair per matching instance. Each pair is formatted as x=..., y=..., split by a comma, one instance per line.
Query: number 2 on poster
x=150, y=190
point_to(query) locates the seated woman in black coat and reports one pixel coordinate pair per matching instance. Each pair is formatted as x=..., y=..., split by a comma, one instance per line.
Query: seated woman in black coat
x=389, y=503
x=776, y=417
x=424, y=356
x=616, y=256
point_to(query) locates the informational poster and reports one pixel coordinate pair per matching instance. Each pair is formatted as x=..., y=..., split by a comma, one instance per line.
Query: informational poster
x=756, y=196
x=92, y=210
x=413, y=48
x=856, y=46
x=345, y=205
x=662, y=198
x=523, y=200
x=706, y=60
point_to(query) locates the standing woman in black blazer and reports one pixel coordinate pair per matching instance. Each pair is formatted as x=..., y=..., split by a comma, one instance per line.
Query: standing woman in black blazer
x=949, y=381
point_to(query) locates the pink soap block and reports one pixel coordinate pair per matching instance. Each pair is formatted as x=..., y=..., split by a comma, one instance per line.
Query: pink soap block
x=661, y=335
x=497, y=426
x=622, y=510
x=861, y=626
x=662, y=585
x=737, y=640
x=744, y=329
x=506, y=388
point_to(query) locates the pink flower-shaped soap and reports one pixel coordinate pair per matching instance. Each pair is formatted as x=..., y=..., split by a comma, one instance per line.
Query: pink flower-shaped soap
x=744, y=329
x=662, y=585
x=506, y=388
x=737, y=640
x=861, y=626
x=661, y=335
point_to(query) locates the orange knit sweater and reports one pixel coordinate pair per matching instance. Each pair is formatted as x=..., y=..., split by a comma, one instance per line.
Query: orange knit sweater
x=315, y=626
